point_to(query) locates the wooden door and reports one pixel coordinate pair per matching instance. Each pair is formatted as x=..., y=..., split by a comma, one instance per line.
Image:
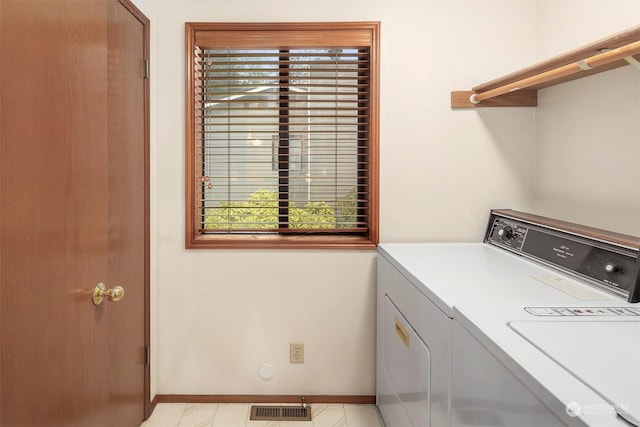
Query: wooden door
x=67, y=221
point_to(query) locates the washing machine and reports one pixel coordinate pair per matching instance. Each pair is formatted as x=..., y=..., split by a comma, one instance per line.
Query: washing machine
x=559, y=363
x=551, y=366
x=421, y=285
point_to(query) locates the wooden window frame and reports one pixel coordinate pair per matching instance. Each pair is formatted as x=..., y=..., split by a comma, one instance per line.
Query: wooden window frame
x=301, y=34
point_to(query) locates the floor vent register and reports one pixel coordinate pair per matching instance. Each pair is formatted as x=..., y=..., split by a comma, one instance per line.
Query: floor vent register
x=280, y=413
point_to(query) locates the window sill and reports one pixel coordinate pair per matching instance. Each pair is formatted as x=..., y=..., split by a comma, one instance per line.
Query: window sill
x=271, y=241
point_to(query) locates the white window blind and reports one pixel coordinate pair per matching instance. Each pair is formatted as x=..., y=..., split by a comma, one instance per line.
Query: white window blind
x=281, y=136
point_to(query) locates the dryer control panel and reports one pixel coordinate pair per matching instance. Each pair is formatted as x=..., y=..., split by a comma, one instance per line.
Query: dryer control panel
x=609, y=265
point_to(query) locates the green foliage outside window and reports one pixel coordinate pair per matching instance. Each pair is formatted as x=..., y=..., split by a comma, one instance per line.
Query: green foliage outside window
x=347, y=210
x=260, y=211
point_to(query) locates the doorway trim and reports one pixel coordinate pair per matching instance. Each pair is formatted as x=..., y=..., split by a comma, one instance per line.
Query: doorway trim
x=137, y=13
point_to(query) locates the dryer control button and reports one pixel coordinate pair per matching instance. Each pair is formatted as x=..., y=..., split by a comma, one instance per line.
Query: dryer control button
x=541, y=311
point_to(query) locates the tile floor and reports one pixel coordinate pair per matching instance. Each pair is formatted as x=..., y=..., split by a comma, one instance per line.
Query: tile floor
x=237, y=415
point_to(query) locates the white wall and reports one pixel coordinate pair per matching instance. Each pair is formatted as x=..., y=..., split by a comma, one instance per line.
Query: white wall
x=588, y=131
x=220, y=314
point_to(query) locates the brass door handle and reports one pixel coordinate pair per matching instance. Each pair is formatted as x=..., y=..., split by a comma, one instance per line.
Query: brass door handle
x=100, y=292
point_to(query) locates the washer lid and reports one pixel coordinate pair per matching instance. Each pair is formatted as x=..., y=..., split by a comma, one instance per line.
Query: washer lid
x=602, y=355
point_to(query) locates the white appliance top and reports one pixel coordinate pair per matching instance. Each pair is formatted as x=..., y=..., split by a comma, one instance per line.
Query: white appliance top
x=457, y=273
x=612, y=347
x=584, y=366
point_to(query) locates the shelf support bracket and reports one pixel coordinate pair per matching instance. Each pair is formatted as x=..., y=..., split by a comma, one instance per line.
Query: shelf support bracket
x=632, y=61
x=522, y=98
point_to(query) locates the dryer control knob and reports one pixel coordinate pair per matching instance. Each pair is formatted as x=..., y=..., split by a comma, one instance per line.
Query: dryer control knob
x=505, y=233
x=610, y=268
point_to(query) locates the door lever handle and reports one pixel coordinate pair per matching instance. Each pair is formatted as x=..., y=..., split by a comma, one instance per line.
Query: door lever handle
x=100, y=292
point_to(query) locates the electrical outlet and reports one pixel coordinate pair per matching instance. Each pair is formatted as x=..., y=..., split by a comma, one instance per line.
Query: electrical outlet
x=296, y=352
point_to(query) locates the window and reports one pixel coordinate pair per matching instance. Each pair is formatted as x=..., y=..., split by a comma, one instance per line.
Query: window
x=282, y=135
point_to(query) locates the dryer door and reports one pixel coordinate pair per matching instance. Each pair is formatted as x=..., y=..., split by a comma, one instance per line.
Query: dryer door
x=407, y=362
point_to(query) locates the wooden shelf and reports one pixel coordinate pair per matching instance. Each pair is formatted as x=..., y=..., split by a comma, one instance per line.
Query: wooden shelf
x=597, y=57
